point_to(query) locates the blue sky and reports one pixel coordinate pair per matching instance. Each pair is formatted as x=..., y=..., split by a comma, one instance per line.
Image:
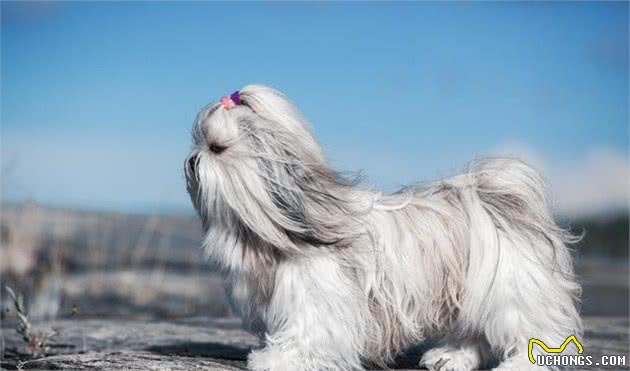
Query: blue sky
x=98, y=98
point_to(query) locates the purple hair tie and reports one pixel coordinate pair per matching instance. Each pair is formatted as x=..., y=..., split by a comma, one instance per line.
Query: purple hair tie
x=232, y=101
x=236, y=97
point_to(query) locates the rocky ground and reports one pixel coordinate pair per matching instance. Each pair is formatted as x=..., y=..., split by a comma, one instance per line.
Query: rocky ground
x=200, y=344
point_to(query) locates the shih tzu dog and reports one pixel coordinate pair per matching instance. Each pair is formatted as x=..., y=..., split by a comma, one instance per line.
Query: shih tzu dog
x=335, y=276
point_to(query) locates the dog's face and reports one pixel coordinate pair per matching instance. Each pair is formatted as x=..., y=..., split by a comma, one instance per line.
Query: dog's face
x=256, y=170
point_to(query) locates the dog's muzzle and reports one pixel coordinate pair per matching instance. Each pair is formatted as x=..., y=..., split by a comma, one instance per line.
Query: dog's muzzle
x=191, y=165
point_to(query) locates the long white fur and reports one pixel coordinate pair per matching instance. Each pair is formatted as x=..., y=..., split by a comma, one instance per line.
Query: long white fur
x=334, y=276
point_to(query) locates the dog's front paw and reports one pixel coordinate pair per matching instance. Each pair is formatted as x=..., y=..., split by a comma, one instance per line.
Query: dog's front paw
x=449, y=359
x=269, y=359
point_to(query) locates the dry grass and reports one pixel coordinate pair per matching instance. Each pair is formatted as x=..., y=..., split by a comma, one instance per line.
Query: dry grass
x=37, y=343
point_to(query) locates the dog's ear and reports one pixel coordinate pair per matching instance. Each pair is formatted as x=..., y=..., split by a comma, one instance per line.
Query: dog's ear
x=293, y=204
x=316, y=204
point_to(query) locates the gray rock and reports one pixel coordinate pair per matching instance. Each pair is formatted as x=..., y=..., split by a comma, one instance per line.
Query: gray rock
x=199, y=344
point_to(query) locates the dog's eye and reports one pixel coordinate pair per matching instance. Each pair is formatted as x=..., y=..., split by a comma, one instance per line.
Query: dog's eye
x=216, y=148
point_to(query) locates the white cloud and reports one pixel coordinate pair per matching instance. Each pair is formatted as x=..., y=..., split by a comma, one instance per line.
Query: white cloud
x=594, y=184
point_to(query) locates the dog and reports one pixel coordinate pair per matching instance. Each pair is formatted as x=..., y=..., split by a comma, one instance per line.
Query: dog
x=333, y=275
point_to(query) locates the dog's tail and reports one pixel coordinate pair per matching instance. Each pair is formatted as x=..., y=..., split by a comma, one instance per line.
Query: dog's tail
x=520, y=272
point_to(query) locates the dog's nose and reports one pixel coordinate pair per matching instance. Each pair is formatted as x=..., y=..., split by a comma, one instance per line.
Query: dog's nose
x=192, y=164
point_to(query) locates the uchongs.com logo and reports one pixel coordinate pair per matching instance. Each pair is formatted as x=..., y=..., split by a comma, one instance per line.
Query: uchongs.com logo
x=554, y=356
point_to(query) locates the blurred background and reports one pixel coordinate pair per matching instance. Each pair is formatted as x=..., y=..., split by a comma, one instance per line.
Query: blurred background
x=98, y=100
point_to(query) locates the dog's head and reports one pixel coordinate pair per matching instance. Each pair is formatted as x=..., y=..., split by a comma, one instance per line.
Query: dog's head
x=256, y=169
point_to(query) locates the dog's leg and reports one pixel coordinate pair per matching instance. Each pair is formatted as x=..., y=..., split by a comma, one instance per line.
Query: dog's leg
x=316, y=319
x=451, y=356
